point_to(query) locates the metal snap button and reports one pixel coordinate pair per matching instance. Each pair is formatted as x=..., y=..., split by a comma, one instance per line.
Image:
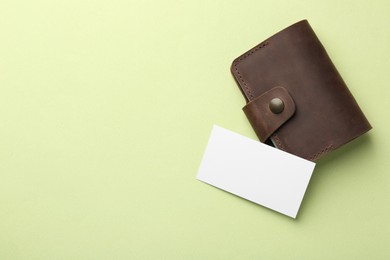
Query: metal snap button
x=276, y=105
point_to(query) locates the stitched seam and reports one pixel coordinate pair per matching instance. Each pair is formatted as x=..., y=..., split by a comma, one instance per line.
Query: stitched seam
x=278, y=142
x=243, y=57
x=325, y=150
x=275, y=136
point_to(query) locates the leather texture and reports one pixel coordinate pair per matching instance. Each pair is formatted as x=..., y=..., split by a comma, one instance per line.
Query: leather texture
x=263, y=120
x=320, y=113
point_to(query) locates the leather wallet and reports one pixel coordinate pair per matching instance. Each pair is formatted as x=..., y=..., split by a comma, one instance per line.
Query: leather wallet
x=296, y=99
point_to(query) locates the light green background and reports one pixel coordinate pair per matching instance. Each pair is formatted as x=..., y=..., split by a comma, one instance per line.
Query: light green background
x=106, y=108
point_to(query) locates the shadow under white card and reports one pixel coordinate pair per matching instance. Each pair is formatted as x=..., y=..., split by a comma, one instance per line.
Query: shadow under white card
x=255, y=171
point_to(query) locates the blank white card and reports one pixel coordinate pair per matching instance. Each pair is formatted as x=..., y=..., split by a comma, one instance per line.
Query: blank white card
x=255, y=171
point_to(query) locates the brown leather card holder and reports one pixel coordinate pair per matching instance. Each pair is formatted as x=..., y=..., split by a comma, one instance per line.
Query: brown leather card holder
x=295, y=96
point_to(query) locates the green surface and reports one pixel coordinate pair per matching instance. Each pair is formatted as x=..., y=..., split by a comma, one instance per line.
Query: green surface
x=106, y=108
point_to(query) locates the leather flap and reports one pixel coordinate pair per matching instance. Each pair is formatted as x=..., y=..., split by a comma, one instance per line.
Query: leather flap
x=263, y=120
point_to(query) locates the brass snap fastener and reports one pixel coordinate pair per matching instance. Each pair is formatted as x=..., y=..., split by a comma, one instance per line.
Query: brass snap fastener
x=276, y=105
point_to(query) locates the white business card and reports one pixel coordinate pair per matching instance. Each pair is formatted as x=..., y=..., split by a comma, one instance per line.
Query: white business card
x=255, y=171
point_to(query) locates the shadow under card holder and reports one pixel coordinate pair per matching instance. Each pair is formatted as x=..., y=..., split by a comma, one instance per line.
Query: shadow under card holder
x=295, y=96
